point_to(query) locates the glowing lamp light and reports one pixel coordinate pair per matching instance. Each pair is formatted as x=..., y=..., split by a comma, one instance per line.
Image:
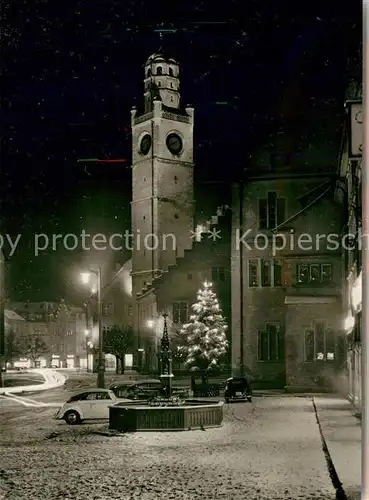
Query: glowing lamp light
x=356, y=294
x=86, y=333
x=85, y=278
x=349, y=323
x=150, y=323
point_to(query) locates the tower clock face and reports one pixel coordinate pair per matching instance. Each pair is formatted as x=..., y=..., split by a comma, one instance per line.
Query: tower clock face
x=145, y=144
x=174, y=144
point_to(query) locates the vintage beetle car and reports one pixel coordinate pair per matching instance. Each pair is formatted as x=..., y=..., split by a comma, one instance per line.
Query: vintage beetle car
x=87, y=404
x=237, y=388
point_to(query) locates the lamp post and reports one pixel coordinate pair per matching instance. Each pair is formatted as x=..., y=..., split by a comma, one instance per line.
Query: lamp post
x=87, y=342
x=165, y=358
x=101, y=364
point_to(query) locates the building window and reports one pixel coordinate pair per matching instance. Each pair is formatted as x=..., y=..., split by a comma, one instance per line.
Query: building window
x=180, y=312
x=320, y=344
x=253, y=273
x=308, y=274
x=107, y=309
x=159, y=70
x=218, y=274
x=175, y=179
x=176, y=216
x=270, y=273
x=270, y=343
x=159, y=84
x=266, y=277
x=170, y=72
x=272, y=211
x=277, y=271
x=189, y=276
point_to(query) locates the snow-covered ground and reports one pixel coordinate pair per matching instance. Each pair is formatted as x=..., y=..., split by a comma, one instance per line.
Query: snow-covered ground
x=270, y=449
x=52, y=380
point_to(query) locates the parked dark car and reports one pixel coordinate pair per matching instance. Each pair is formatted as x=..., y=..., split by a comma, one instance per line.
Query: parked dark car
x=205, y=390
x=238, y=388
x=143, y=389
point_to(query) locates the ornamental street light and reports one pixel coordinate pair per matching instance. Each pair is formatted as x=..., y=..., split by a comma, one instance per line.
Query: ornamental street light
x=86, y=277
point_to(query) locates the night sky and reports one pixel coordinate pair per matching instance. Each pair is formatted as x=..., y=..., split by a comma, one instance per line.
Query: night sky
x=71, y=71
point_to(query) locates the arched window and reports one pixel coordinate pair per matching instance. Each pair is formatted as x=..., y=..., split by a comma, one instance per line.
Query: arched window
x=159, y=84
x=171, y=72
x=148, y=73
x=159, y=70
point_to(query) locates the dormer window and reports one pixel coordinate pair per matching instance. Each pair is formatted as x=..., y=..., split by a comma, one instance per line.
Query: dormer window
x=171, y=72
x=159, y=70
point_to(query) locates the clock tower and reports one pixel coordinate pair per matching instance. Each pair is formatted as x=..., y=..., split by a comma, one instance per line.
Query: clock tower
x=162, y=173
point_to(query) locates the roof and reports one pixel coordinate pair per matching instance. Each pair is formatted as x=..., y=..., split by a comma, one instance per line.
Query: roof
x=12, y=316
x=89, y=389
x=160, y=57
x=176, y=111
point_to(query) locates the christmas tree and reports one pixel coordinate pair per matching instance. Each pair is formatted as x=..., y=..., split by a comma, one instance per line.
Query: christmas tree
x=205, y=341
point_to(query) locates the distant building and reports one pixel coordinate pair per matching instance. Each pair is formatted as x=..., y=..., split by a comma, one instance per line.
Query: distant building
x=117, y=310
x=60, y=326
x=286, y=303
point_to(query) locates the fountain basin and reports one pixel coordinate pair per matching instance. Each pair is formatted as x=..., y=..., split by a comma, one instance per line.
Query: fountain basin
x=192, y=415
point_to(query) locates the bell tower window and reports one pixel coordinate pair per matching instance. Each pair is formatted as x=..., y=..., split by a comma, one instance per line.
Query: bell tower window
x=170, y=72
x=159, y=70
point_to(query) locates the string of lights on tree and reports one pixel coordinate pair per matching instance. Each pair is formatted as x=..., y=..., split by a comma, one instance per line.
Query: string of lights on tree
x=205, y=334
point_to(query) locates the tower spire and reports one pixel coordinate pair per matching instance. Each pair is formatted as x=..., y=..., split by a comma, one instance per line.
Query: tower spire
x=161, y=81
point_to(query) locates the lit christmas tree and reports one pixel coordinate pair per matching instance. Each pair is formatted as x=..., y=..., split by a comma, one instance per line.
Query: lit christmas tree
x=205, y=341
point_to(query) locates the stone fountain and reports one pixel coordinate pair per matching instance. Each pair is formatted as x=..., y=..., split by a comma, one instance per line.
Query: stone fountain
x=167, y=412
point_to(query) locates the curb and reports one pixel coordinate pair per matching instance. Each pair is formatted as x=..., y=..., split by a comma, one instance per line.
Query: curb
x=340, y=493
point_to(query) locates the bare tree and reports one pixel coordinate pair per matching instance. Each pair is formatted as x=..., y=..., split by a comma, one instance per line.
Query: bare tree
x=119, y=342
x=13, y=347
x=34, y=346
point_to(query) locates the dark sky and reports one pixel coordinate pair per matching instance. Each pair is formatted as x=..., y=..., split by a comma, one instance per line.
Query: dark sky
x=71, y=71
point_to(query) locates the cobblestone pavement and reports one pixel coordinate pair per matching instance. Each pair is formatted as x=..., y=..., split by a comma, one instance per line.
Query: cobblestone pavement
x=270, y=449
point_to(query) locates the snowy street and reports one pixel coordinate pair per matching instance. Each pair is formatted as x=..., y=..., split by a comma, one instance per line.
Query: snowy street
x=270, y=449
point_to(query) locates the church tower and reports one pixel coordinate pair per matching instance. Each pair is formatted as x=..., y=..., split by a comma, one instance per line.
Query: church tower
x=162, y=173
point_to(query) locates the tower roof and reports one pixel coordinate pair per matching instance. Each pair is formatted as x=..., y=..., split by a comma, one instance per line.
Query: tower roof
x=160, y=57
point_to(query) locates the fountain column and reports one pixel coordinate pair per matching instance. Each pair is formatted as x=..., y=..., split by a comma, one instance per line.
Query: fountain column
x=165, y=361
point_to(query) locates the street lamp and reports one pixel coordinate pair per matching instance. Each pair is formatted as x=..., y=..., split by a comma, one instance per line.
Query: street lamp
x=85, y=277
x=87, y=333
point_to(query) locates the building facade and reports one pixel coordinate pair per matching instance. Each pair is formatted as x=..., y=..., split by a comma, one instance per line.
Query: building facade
x=349, y=192
x=61, y=328
x=286, y=279
x=116, y=309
